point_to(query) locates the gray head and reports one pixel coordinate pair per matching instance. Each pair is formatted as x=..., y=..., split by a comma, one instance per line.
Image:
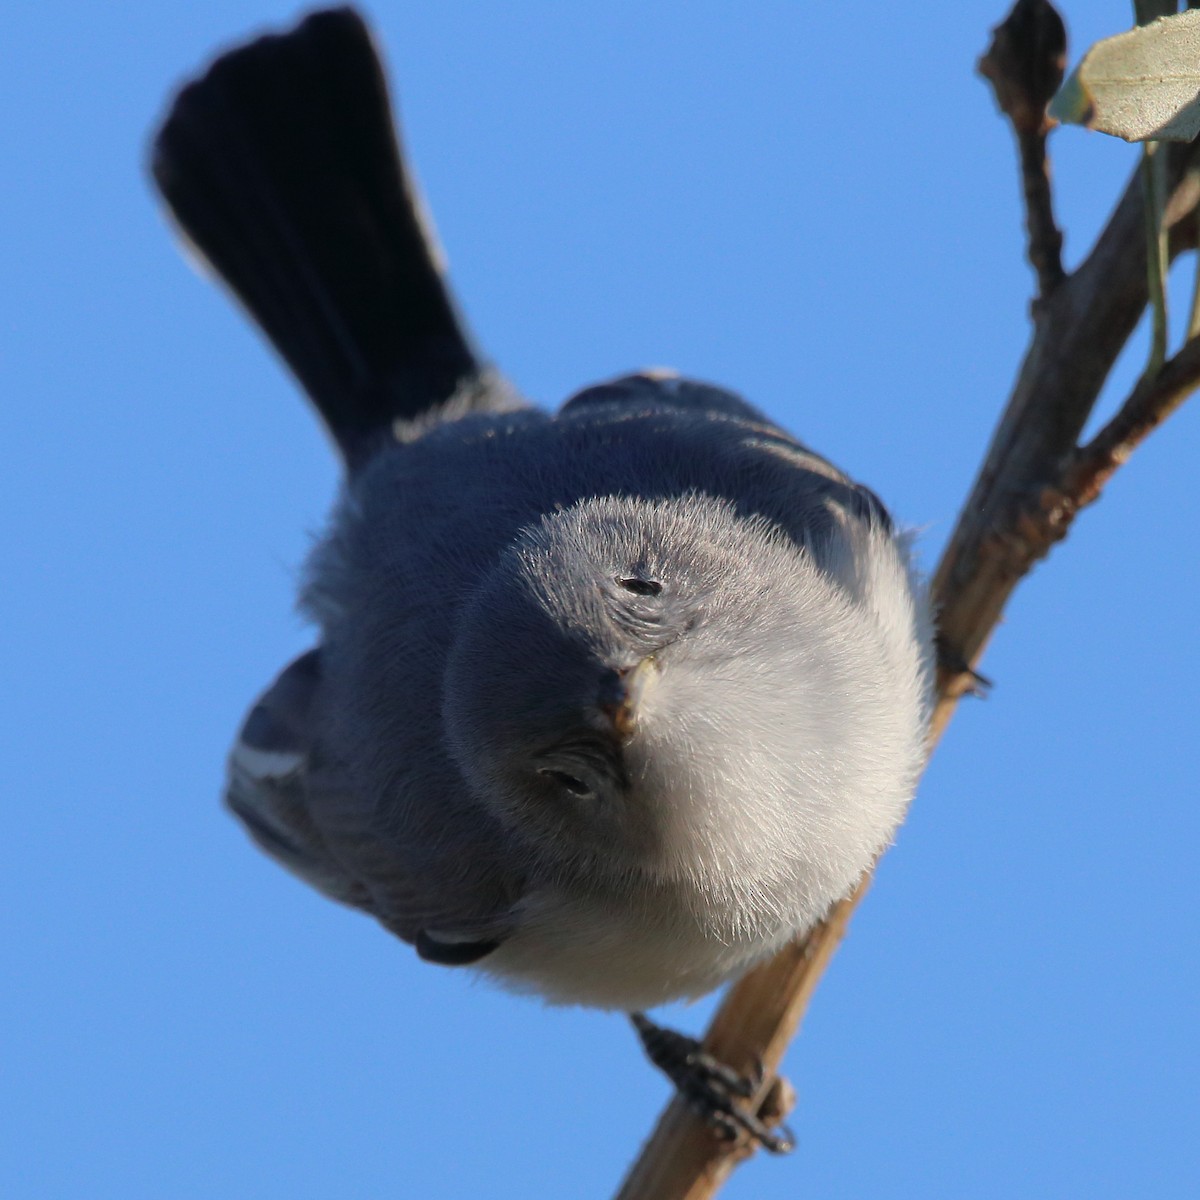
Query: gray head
x=672, y=689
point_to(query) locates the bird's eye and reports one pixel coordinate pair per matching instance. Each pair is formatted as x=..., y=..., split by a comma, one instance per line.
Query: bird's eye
x=640, y=587
x=573, y=785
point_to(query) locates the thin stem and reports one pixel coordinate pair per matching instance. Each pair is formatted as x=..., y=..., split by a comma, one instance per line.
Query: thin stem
x=1154, y=185
x=1193, y=325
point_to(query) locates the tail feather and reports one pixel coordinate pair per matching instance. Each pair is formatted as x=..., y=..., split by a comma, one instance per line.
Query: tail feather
x=282, y=167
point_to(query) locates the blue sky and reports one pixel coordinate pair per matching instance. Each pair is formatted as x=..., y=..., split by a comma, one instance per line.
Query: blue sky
x=814, y=205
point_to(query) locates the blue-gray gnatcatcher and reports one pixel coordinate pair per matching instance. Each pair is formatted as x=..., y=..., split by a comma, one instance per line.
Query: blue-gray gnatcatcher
x=608, y=703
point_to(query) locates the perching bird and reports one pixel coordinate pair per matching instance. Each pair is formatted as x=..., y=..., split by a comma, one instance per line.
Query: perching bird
x=608, y=704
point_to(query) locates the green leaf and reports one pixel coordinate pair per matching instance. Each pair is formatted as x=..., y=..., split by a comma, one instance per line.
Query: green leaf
x=1140, y=85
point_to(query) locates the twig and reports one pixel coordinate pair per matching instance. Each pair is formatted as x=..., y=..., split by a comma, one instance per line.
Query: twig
x=756, y=1020
x=1149, y=405
x=1075, y=343
x=1024, y=65
x=1032, y=483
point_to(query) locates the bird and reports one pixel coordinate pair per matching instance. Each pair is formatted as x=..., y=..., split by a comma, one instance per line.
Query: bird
x=607, y=703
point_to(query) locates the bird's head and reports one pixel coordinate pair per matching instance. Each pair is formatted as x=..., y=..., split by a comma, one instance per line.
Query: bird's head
x=673, y=690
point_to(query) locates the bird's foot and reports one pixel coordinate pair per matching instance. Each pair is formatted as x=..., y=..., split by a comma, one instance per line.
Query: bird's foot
x=709, y=1087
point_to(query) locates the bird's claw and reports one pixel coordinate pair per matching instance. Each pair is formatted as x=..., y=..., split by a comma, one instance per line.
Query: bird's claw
x=711, y=1087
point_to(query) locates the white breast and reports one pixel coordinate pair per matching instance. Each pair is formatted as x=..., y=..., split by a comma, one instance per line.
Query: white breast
x=623, y=955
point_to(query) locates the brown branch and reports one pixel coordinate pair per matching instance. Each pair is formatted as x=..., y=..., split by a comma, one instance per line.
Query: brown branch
x=1083, y=474
x=1150, y=404
x=1024, y=65
x=1003, y=528
x=1045, y=240
x=1032, y=483
x=756, y=1021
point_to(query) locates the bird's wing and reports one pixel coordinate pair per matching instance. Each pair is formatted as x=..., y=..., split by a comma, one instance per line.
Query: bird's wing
x=269, y=778
x=282, y=168
x=299, y=807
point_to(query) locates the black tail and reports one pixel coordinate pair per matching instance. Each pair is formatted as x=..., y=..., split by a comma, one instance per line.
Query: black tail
x=282, y=167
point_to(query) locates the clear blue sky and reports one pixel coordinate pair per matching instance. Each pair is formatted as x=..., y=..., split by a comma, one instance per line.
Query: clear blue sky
x=814, y=204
